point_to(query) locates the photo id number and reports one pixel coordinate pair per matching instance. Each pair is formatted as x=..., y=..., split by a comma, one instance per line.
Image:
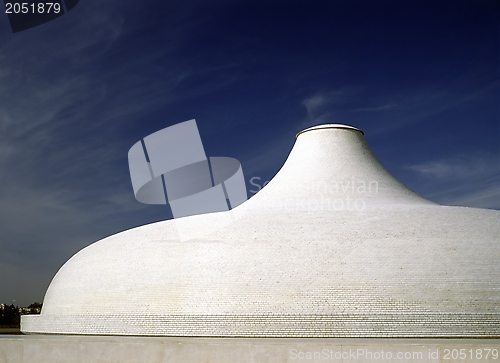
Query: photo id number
x=40, y=8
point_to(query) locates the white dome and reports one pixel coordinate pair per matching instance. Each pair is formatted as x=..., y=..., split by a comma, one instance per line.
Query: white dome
x=333, y=246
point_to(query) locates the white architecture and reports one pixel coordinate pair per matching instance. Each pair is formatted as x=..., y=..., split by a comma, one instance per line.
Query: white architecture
x=333, y=246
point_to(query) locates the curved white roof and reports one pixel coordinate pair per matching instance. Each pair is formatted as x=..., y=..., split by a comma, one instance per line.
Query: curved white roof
x=333, y=246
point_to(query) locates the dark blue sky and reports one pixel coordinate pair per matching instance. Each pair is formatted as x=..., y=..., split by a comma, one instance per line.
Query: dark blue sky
x=420, y=78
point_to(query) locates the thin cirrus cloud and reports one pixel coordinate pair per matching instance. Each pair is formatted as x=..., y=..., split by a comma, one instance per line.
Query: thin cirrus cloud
x=467, y=180
x=317, y=102
x=62, y=180
x=385, y=107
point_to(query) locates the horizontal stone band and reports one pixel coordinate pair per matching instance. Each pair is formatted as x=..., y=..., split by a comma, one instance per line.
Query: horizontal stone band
x=401, y=325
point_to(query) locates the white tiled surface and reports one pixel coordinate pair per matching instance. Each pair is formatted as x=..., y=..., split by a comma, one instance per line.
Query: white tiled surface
x=285, y=264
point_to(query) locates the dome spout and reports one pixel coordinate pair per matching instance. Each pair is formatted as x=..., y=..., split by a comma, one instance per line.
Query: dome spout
x=334, y=163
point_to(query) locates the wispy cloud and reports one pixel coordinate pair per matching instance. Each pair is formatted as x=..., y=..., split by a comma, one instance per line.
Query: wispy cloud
x=317, y=103
x=63, y=147
x=467, y=180
x=480, y=167
x=335, y=106
x=386, y=112
x=385, y=107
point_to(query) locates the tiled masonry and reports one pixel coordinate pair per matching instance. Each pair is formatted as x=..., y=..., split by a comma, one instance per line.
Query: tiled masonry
x=290, y=263
x=342, y=325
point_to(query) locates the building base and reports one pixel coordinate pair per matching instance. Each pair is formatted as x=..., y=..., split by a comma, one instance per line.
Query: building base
x=111, y=349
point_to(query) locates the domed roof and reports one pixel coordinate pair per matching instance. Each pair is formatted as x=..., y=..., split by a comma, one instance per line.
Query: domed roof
x=332, y=246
